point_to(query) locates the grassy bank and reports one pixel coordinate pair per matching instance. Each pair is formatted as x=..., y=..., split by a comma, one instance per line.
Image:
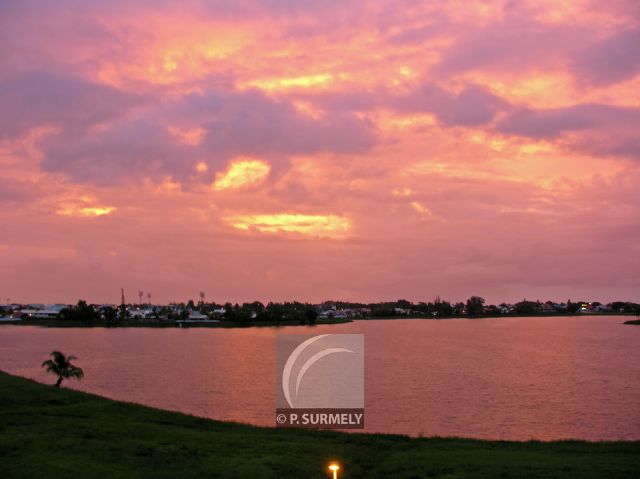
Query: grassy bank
x=65, y=323
x=48, y=432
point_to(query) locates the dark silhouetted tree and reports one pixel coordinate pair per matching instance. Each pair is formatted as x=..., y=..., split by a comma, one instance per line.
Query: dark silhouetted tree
x=475, y=306
x=61, y=366
x=312, y=314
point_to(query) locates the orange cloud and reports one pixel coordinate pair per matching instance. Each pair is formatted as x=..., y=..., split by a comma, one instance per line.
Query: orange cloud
x=421, y=208
x=307, y=81
x=313, y=225
x=191, y=137
x=241, y=173
x=86, y=210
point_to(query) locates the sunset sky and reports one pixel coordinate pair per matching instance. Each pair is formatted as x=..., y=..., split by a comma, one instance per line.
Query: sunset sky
x=311, y=150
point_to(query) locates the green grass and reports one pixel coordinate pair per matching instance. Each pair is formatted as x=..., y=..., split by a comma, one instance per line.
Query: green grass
x=633, y=321
x=48, y=432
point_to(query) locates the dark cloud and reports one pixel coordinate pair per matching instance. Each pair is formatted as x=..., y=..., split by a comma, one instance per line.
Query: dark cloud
x=552, y=123
x=434, y=25
x=126, y=148
x=240, y=9
x=520, y=43
x=16, y=192
x=474, y=105
x=505, y=46
x=602, y=130
x=34, y=99
x=349, y=101
x=275, y=7
x=234, y=123
x=626, y=145
x=624, y=10
x=516, y=43
x=252, y=123
x=609, y=60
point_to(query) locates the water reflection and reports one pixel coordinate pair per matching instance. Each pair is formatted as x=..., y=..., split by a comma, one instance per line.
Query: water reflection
x=508, y=378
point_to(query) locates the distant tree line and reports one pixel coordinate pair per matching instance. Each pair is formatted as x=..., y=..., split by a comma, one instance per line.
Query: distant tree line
x=476, y=306
x=305, y=313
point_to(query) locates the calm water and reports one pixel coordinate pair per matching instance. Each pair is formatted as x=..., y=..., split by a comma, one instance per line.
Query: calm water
x=507, y=378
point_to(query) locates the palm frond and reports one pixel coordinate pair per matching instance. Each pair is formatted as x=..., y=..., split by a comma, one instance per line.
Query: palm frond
x=61, y=366
x=75, y=372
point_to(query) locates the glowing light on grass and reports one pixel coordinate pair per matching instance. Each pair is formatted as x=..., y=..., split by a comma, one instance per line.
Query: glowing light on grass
x=334, y=468
x=241, y=173
x=314, y=225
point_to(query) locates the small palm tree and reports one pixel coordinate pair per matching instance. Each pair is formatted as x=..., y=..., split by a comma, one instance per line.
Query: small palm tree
x=61, y=366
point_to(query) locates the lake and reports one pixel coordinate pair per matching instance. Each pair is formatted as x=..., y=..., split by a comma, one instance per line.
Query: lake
x=501, y=378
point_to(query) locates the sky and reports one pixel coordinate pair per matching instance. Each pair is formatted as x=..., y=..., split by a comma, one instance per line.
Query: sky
x=302, y=150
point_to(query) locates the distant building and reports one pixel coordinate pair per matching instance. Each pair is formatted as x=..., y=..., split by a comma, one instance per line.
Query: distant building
x=547, y=308
x=41, y=311
x=197, y=315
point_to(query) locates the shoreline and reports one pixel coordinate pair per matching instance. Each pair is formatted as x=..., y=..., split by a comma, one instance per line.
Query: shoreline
x=62, y=323
x=471, y=318
x=66, y=433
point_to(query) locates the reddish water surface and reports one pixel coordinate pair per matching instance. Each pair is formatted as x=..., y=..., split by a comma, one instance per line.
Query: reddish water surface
x=505, y=378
